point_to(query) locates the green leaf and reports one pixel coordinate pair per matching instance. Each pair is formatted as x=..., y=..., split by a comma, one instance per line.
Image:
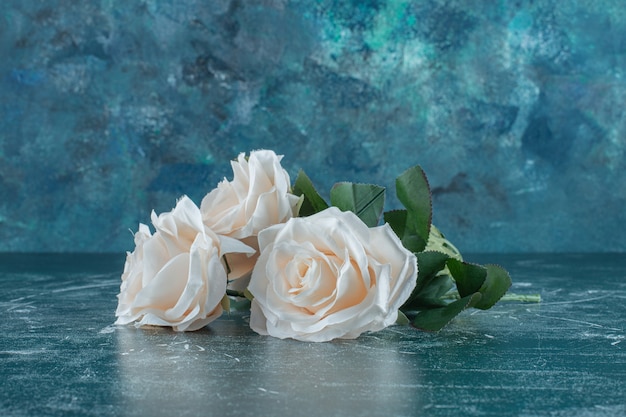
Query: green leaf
x=431, y=295
x=431, y=285
x=402, y=319
x=434, y=319
x=468, y=277
x=410, y=240
x=365, y=200
x=414, y=193
x=429, y=264
x=313, y=202
x=438, y=242
x=495, y=286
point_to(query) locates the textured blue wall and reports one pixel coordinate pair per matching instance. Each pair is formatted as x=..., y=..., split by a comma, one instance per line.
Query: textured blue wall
x=515, y=109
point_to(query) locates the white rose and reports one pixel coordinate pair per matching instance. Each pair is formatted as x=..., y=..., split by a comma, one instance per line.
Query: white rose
x=257, y=197
x=175, y=277
x=329, y=276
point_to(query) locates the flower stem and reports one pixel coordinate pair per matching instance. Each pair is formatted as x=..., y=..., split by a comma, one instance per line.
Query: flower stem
x=233, y=293
x=524, y=298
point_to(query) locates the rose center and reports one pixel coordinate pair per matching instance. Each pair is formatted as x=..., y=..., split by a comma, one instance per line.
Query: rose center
x=312, y=281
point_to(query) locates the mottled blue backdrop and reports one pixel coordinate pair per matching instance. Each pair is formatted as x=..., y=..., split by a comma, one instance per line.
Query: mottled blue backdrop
x=515, y=109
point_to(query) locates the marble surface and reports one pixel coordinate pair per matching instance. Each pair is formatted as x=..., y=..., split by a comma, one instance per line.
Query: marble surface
x=60, y=354
x=109, y=109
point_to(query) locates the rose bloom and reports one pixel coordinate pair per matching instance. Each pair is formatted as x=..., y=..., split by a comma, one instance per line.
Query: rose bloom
x=175, y=277
x=329, y=276
x=257, y=197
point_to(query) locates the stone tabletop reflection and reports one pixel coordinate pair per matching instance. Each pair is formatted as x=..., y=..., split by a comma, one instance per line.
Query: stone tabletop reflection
x=60, y=354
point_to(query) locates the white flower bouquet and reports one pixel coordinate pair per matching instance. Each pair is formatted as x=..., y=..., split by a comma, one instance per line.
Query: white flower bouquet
x=310, y=270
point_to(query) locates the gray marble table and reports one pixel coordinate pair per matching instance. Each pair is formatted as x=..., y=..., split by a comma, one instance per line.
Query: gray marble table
x=61, y=355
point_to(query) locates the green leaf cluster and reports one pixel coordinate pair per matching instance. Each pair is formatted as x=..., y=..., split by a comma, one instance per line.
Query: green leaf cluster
x=446, y=285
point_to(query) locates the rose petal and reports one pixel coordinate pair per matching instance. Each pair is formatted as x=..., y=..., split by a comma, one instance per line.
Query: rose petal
x=164, y=289
x=175, y=277
x=329, y=276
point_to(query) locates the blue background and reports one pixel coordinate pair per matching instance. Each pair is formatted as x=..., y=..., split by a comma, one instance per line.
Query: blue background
x=515, y=109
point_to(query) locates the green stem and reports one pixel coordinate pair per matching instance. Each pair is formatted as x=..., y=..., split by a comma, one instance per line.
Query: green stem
x=524, y=298
x=233, y=293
